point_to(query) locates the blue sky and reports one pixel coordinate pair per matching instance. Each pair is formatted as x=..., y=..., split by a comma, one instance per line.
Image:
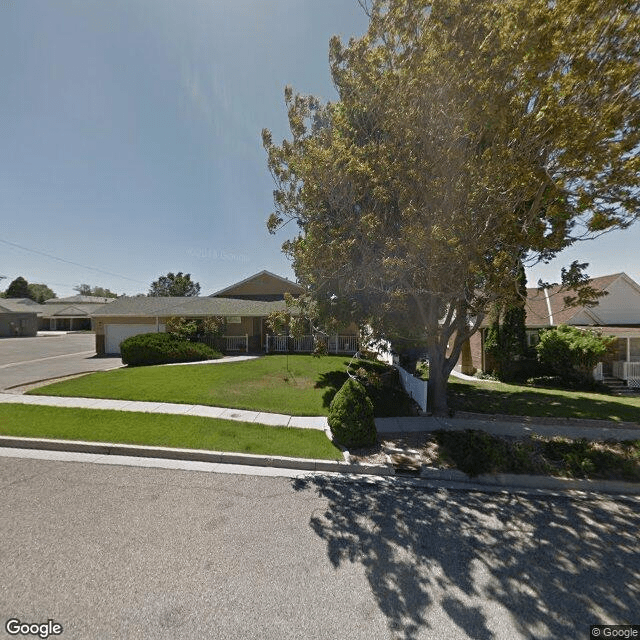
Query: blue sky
x=131, y=138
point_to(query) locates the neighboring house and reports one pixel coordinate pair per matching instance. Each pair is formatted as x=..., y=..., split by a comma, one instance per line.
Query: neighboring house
x=616, y=314
x=244, y=306
x=18, y=317
x=70, y=314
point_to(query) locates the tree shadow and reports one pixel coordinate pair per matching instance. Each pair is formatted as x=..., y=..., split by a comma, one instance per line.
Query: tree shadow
x=331, y=381
x=547, y=565
x=466, y=397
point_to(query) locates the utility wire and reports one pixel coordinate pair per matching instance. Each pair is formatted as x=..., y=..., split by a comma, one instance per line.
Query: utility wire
x=75, y=264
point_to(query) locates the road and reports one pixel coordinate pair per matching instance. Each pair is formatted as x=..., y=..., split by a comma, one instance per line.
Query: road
x=25, y=360
x=119, y=552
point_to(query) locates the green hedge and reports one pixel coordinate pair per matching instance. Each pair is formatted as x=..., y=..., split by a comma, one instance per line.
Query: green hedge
x=163, y=348
x=351, y=416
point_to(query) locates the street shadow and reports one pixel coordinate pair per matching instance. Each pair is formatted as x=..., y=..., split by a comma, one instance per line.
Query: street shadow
x=549, y=565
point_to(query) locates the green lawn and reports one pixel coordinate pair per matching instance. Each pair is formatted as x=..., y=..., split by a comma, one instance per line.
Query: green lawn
x=518, y=400
x=299, y=385
x=188, y=432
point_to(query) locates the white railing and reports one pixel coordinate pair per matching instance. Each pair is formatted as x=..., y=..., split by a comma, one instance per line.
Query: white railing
x=629, y=371
x=237, y=343
x=342, y=344
x=598, y=373
x=414, y=387
x=306, y=344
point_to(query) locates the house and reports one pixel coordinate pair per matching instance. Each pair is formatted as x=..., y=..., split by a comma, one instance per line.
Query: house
x=244, y=306
x=70, y=314
x=19, y=317
x=617, y=314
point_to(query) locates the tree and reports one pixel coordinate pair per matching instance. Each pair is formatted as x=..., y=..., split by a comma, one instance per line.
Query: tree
x=41, y=292
x=177, y=284
x=506, y=341
x=88, y=290
x=19, y=288
x=465, y=136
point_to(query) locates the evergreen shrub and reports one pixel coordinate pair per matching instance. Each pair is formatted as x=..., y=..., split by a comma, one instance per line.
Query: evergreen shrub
x=351, y=416
x=163, y=348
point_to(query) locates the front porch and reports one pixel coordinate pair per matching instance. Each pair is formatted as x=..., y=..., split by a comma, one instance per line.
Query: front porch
x=624, y=363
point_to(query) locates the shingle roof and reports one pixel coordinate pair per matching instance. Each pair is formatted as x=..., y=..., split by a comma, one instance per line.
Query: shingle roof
x=20, y=305
x=538, y=309
x=80, y=299
x=187, y=306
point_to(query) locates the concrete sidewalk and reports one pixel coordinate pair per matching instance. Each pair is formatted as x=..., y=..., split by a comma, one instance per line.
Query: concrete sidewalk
x=516, y=428
x=383, y=425
x=239, y=415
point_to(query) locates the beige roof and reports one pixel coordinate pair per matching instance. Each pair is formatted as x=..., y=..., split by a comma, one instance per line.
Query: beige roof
x=80, y=300
x=538, y=309
x=20, y=305
x=264, y=282
x=187, y=306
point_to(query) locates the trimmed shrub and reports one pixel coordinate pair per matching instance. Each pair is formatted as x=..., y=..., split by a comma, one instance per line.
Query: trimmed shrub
x=351, y=416
x=162, y=348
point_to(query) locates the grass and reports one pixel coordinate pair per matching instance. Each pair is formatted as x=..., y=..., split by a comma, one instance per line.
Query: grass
x=519, y=400
x=301, y=386
x=477, y=452
x=189, y=432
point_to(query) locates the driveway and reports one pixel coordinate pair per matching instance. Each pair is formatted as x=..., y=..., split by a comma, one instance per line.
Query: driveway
x=25, y=360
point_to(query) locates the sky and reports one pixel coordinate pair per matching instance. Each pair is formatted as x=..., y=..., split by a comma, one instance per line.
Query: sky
x=131, y=138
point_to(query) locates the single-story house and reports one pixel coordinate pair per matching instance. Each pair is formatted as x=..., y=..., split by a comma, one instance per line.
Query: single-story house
x=70, y=314
x=617, y=314
x=18, y=317
x=244, y=306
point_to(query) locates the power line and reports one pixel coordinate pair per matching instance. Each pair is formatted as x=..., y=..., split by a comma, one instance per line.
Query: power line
x=75, y=264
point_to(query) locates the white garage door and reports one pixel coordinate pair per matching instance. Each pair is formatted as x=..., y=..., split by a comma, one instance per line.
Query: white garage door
x=114, y=334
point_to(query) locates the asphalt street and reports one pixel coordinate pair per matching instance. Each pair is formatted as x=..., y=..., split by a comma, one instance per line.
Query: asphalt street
x=25, y=360
x=120, y=552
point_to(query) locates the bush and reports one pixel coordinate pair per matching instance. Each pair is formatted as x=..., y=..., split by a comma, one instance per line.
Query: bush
x=163, y=348
x=351, y=416
x=572, y=353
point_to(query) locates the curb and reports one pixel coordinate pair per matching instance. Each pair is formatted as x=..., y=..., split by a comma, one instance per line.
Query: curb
x=194, y=455
x=525, y=481
x=502, y=480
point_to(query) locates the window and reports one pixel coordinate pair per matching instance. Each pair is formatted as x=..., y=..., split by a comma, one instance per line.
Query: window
x=233, y=320
x=533, y=337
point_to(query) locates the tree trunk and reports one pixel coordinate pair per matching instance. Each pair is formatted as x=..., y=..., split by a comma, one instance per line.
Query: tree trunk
x=437, y=389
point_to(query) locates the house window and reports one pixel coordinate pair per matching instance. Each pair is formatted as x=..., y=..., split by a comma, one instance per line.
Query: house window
x=533, y=337
x=234, y=320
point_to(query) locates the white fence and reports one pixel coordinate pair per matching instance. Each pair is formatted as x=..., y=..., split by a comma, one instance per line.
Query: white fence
x=414, y=387
x=306, y=344
x=598, y=373
x=237, y=343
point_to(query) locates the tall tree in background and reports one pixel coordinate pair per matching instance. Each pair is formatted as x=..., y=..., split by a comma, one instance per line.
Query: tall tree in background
x=177, y=284
x=41, y=292
x=19, y=288
x=506, y=341
x=466, y=135
x=88, y=290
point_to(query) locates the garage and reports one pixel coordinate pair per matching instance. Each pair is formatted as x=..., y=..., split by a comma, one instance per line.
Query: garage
x=114, y=334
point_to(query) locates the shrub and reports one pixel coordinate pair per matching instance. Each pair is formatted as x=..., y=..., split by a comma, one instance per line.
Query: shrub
x=351, y=416
x=162, y=348
x=572, y=353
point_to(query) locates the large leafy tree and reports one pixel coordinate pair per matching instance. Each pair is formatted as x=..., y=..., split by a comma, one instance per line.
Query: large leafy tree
x=40, y=292
x=19, y=288
x=466, y=135
x=174, y=284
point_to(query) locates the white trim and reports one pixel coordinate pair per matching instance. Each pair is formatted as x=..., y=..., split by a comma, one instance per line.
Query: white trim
x=546, y=297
